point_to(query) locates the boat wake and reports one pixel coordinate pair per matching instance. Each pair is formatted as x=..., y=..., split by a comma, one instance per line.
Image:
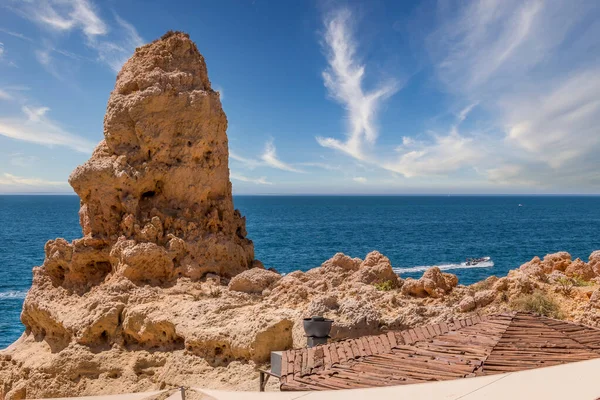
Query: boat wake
x=444, y=267
x=13, y=294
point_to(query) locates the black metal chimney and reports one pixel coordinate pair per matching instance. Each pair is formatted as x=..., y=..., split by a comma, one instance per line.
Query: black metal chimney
x=317, y=330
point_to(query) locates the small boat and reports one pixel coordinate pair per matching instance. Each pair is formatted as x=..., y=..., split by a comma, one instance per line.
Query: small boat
x=520, y=205
x=475, y=261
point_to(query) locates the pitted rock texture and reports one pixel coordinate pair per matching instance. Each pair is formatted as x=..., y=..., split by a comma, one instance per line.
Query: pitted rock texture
x=156, y=212
x=156, y=200
x=433, y=283
x=157, y=187
x=254, y=280
x=121, y=336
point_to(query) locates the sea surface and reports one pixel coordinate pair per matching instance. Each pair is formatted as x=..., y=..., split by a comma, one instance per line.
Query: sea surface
x=300, y=232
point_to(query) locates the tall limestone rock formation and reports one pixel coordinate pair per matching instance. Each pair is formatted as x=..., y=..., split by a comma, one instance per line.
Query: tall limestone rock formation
x=155, y=196
x=156, y=201
x=161, y=238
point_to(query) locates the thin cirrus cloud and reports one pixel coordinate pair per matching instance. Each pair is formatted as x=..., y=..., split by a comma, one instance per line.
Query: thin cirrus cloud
x=4, y=95
x=322, y=165
x=14, y=183
x=16, y=34
x=248, y=162
x=22, y=160
x=445, y=154
x=35, y=127
x=268, y=159
x=259, y=181
x=531, y=65
x=344, y=81
x=529, y=70
x=113, y=44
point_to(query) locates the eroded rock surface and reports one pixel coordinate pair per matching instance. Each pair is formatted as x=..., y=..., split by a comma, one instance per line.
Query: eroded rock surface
x=156, y=212
x=254, y=280
x=156, y=200
x=433, y=283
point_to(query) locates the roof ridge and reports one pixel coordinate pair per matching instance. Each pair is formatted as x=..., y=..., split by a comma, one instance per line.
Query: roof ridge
x=590, y=339
x=465, y=347
x=479, y=369
x=297, y=363
x=530, y=342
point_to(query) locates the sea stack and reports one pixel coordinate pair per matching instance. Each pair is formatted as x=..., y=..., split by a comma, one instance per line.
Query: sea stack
x=157, y=213
x=155, y=196
x=156, y=201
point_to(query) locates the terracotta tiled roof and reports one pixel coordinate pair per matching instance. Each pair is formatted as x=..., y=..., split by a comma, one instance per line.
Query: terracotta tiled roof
x=479, y=345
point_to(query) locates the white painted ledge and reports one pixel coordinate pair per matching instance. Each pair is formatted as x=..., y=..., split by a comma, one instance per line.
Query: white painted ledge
x=573, y=381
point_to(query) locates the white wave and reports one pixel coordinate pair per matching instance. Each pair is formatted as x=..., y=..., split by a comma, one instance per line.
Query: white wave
x=444, y=267
x=13, y=294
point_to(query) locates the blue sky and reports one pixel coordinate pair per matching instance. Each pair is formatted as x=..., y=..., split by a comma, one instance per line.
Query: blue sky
x=326, y=97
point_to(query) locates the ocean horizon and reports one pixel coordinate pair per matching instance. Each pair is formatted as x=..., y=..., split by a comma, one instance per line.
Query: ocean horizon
x=299, y=232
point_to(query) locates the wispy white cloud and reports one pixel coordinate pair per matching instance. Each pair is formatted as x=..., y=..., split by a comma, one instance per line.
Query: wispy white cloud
x=35, y=114
x=248, y=162
x=360, y=179
x=219, y=88
x=440, y=157
x=462, y=115
x=11, y=183
x=115, y=53
x=509, y=174
x=4, y=95
x=12, y=92
x=344, y=81
x=22, y=160
x=561, y=124
x=43, y=57
x=65, y=15
x=16, y=34
x=3, y=57
x=113, y=44
x=269, y=157
x=259, y=181
x=484, y=44
x=35, y=127
x=530, y=66
x=322, y=165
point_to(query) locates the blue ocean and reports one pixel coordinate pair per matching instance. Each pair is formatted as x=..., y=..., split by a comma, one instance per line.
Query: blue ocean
x=300, y=232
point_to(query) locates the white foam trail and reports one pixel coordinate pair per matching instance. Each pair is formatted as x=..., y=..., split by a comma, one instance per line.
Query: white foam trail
x=444, y=267
x=13, y=294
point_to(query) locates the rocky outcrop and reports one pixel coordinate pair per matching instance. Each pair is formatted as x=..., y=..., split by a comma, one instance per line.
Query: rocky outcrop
x=594, y=262
x=560, y=264
x=580, y=269
x=254, y=280
x=595, y=299
x=376, y=268
x=342, y=261
x=467, y=304
x=433, y=283
x=535, y=268
x=484, y=297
